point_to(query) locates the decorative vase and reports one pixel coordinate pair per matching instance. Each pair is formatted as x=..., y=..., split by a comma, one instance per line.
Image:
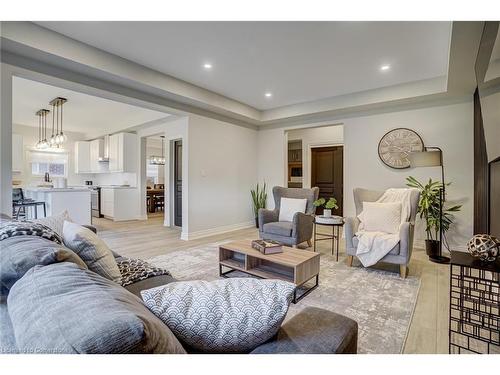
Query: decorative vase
x=256, y=222
x=484, y=247
x=327, y=213
x=432, y=248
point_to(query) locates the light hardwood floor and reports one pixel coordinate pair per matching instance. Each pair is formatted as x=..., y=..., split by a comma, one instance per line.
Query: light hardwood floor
x=429, y=327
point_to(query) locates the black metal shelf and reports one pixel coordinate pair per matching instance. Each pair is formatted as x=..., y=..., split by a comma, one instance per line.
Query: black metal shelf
x=474, y=305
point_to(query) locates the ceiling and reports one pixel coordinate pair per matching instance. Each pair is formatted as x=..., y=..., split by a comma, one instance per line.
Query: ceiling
x=83, y=113
x=297, y=62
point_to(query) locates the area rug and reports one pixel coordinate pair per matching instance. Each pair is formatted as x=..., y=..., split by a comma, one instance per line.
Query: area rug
x=380, y=301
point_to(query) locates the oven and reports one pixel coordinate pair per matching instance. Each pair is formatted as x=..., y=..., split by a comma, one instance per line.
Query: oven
x=95, y=201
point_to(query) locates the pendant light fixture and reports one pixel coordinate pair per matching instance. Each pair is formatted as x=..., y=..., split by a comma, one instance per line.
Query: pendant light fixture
x=59, y=137
x=158, y=160
x=42, y=143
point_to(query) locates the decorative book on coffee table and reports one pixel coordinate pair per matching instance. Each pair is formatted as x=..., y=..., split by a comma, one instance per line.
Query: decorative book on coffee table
x=267, y=247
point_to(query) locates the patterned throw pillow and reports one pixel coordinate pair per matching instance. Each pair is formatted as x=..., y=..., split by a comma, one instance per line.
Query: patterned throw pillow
x=14, y=228
x=223, y=316
x=134, y=270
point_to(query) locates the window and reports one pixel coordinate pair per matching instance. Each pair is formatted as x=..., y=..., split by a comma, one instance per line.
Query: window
x=49, y=162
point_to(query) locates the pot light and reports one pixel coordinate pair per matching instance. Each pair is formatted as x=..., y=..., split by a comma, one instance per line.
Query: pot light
x=207, y=66
x=268, y=94
x=385, y=67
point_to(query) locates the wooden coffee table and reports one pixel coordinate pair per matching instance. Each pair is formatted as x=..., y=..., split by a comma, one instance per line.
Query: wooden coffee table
x=293, y=265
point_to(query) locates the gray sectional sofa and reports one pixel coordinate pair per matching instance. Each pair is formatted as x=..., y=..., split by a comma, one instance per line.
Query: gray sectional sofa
x=61, y=307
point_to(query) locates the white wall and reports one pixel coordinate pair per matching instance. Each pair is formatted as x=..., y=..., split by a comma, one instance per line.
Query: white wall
x=222, y=170
x=315, y=137
x=449, y=127
x=30, y=137
x=173, y=129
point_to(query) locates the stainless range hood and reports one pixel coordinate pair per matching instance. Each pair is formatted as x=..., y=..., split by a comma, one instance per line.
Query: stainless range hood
x=104, y=149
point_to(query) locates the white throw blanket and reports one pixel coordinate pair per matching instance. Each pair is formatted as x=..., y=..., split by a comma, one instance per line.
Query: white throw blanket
x=373, y=246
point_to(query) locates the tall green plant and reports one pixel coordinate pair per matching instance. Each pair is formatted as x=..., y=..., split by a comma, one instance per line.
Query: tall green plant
x=429, y=206
x=259, y=198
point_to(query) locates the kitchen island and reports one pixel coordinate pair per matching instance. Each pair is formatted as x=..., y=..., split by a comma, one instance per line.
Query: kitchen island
x=74, y=200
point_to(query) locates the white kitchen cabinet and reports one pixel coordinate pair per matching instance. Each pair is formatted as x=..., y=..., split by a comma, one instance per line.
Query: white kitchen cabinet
x=123, y=152
x=120, y=203
x=107, y=203
x=82, y=157
x=96, y=149
x=17, y=153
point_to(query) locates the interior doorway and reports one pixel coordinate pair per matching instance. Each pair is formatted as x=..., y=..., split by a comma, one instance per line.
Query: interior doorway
x=155, y=176
x=327, y=173
x=177, y=182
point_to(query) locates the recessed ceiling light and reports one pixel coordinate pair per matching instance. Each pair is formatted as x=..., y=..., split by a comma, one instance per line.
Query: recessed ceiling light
x=385, y=67
x=207, y=66
x=268, y=94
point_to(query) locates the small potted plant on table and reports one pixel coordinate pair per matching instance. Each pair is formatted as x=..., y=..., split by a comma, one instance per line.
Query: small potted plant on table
x=328, y=205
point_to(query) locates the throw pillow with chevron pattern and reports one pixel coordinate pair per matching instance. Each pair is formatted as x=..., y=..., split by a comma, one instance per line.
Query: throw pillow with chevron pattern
x=224, y=316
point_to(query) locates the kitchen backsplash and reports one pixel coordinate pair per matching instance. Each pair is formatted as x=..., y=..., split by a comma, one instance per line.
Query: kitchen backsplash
x=115, y=179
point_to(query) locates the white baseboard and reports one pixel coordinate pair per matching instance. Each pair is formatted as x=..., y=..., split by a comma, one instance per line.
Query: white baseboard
x=420, y=244
x=215, y=231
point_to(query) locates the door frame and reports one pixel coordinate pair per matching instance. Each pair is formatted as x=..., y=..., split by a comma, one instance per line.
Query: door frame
x=162, y=129
x=171, y=180
x=310, y=146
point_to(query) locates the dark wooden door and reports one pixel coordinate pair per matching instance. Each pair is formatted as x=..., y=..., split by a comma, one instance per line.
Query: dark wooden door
x=327, y=173
x=178, y=183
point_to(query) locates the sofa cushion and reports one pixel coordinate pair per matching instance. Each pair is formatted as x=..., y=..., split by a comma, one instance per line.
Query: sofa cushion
x=152, y=282
x=93, y=251
x=222, y=316
x=62, y=308
x=394, y=250
x=19, y=254
x=314, y=331
x=7, y=340
x=280, y=228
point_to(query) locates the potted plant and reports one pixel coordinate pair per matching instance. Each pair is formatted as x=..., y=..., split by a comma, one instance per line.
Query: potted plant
x=259, y=199
x=329, y=205
x=429, y=206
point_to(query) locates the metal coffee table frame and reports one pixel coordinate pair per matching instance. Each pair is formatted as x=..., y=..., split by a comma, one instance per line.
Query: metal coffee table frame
x=295, y=298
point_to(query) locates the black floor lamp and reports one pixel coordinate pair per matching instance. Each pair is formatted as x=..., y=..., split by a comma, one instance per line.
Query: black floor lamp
x=433, y=157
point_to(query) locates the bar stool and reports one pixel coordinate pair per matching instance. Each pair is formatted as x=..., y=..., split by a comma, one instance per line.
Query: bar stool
x=19, y=202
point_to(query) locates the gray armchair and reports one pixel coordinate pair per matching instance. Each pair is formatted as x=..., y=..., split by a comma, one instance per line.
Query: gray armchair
x=399, y=254
x=290, y=233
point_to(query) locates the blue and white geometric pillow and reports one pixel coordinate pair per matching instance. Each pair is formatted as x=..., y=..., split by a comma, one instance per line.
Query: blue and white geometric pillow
x=223, y=316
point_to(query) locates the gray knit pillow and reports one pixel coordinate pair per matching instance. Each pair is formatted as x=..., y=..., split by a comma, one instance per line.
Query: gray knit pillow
x=223, y=316
x=92, y=250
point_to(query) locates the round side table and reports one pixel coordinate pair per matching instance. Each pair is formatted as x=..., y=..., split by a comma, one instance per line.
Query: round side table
x=334, y=237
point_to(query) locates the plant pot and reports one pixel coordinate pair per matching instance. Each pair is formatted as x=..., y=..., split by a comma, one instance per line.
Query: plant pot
x=256, y=222
x=432, y=247
x=327, y=213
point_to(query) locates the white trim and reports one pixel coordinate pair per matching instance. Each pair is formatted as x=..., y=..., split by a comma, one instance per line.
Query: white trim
x=214, y=231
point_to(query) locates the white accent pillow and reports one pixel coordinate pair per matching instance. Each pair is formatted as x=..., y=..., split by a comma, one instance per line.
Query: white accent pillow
x=92, y=250
x=55, y=222
x=381, y=217
x=222, y=316
x=289, y=206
